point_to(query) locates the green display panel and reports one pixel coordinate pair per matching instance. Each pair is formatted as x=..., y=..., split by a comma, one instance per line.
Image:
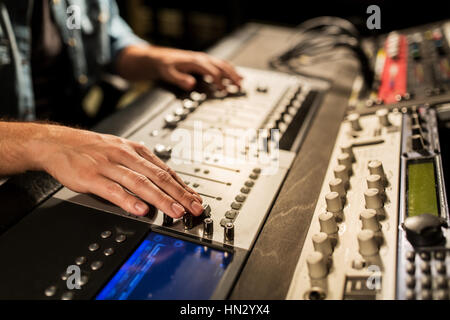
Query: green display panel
x=422, y=196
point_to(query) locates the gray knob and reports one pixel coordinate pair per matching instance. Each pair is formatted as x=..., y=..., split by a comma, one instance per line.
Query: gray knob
x=197, y=97
x=162, y=151
x=208, y=226
x=368, y=245
x=373, y=199
x=353, y=118
x=317, y=265
x=188, y=220
x=328, y=223
x=190, y=105
x=322, y=243
x=171, y=120
x=334, y=202
x=417, y=143
x=341, y=172
x=181, y=112
x=383, y=117
x=229, y=231
x=374, y=181
x=336, y=185
x=376, y=167
x=369, y=220
x=347, y=147
x=345, y=160
x=167, y=220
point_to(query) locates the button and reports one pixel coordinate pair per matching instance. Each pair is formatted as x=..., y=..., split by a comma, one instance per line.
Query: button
x=374, y=181
x=257, y=170
x=253, y=176
x=425, y=281
x=236, y=205
x=231, y=214
x=68, y=295
x=440, y=267
x=83, y=280
x=345, y=160
x=334, y=202
x=80, y=260
x=353, y=118
x=121, y=238
x=410, y=268
x=410, y=294
x=108, y=251
x=341, y=172
x=336, y=185
x=162, y=151
x=327, y=223
x=188, y=220
x=441, y=282
x=249, y=184
x=105, y=234
x=442, y=295
x=245, y=190
x=368, y=245
x=322, y=243
x=439, y=255
x=383, y=117
x=317, y=266
x=224, y=221
x=425, y=267
x=410, y=255
x=240, y=198
x=208, y=226
x=426, y=294
x=96, y=265
x=376, y=167
x=373, y=199
x=93, y=247
x=229, y=231
x=425, y=256
x=369, y=220
x=195, y=185
x=50, y=291
x=411, y=282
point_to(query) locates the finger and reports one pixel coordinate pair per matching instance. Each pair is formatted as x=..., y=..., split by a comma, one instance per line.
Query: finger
x=229, y=71
x=145, y=189
x=144, y=152
x=183, y=80
x=114, y=193
x=204, y=66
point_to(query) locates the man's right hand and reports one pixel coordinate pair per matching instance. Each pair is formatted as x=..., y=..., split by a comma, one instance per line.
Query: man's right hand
x=100, y=164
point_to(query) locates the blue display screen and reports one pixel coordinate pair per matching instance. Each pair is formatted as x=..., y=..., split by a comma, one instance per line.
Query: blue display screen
x=163, y=267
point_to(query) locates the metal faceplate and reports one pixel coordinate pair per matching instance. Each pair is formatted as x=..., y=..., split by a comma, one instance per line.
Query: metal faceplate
x=350, y=275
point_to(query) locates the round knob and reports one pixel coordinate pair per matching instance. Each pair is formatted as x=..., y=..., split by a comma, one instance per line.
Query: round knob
x=383, y=117
x=369, y=220
x=317, y=265
x=181, y=112
x=368, y=245
x=373, y=199
x=376, y=167
x=327, y=223
x=171, y=121
x=322, y=243
x=341, y=172
x=197, y=97
x=188, y=220
x=162, y=151
x=167, y=220
x=229, y=231
x=417, y=143
x=354, y=121
x=374, y=182
x=334, y=202
x=336, y=185
x=424, y=229
x=345, y=160
x=190, y=105
x=208, y=226
x=347, y=147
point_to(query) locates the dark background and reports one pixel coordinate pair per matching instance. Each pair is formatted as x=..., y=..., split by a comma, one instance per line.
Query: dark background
x=199, y=24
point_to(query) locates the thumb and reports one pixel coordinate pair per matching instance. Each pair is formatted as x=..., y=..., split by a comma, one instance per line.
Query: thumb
x=183, y=80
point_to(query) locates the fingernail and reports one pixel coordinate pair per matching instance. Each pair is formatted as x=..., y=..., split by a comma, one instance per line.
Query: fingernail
x=178, y=209
x=141, y=207
x=196, y=207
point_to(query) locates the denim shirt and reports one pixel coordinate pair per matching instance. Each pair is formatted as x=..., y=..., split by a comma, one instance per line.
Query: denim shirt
x=93, y=43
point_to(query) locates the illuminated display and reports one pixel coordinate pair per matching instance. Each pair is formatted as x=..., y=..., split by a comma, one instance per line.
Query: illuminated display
x=422, y=188
x=163, y=267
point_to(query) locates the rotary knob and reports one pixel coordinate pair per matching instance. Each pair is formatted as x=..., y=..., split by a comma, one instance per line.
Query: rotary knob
x=188, y=220
x=197, y=96
x=317, y=265
x=171, y=120
x=368, y=245
x=229, y=231
x=167, y=220
x=336, y=185
x=383, y=117
x=162, y=151
x=341, y=172
x=345, y=160
x=208, y=226
x=347, y=147
x=322, y=243
x=424, y=229
x=182, y=113
x=334, y=202
x=369, y=220
x=373, y=199
x=190, y=105
x=376, y=167
x=417, y=142
x=328, y=223
x=353, y=118
x=374, y=182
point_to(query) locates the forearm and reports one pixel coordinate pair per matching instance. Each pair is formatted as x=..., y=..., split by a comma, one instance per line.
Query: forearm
x=136, y=63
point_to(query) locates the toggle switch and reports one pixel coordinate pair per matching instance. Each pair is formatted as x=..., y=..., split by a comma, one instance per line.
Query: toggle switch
x=383, y=117
x=373, y=199
x=368, y=245
x=328, y=223
x=369, y=220
x=317, y=265
x=334, y=202
x=353, y=118
x=322, y=243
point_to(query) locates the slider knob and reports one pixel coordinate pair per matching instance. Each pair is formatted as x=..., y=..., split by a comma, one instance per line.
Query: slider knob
x=162, y=151
x=374, y=182
x=208, y=226
x=334, y=202
x=322, y=243
x=353, y=118
x=336, y=185
x=383, y=117
x=417, y=143
x=317, y=265
x=328, y=223
x=373, y=199
x=229, y=231
x=368, y=245
x=369, y=220
x=376, y=167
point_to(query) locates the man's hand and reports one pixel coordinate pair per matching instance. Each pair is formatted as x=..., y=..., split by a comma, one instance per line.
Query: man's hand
x=103, y=165
x=174, y=66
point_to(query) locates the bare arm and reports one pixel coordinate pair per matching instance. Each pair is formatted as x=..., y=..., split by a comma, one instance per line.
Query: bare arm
x=104, y=165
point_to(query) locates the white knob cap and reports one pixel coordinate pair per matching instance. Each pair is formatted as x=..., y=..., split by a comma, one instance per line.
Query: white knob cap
x=347, y=147
x=341, y=172
x=373, y=199
x=353, y=118
x=334, y=202
x=322, y=243
x=383, y=117
x=369, y=220
x=376, y=167
x=368, y=245
x=336, y=185
x=345, y=160
x=374, y=181
x=317, y=265
x=327, y=223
